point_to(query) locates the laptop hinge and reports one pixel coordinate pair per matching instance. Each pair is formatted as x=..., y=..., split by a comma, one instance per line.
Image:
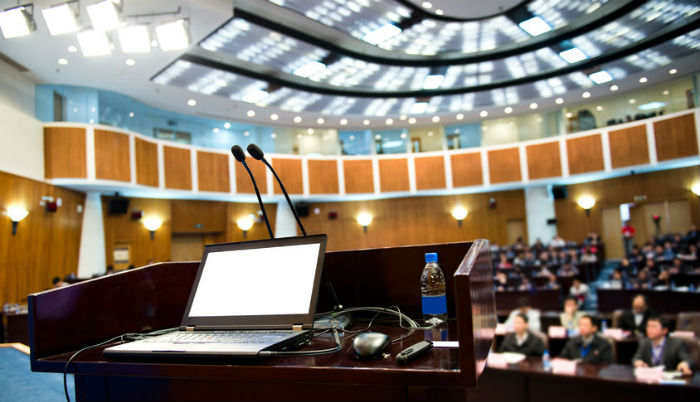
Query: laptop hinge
x=189, y=329
x=297, y=327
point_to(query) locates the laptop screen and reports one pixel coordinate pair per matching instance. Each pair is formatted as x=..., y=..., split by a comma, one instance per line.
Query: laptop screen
x=263, y=281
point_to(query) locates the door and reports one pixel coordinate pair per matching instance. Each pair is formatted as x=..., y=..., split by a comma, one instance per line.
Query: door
x=515, y=229
x=187, y=247
x=612, y=233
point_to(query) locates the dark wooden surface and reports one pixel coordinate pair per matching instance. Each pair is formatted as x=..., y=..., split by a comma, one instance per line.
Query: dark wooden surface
x=66, y=319
x=546, y=300
x=15, y=327
x=663, y=302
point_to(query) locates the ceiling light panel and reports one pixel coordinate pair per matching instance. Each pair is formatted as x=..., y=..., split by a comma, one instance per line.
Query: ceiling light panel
x=135, y=39
x=16, y=22
x=104, y=15
x=60, y=19
x=173, y=35
x=94, y=43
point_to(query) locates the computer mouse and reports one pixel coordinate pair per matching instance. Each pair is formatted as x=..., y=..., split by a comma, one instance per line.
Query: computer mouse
x=370, y=345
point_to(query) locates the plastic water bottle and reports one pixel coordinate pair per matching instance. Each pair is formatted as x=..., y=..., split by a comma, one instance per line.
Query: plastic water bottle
x=546, y=362
x=603, y=326
x=432, y=284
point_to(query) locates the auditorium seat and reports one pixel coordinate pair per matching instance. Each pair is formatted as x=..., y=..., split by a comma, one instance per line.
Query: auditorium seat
x=543, y=337
x=613, y=345
x=689, y=321
x=692, y=345
x=616, y=316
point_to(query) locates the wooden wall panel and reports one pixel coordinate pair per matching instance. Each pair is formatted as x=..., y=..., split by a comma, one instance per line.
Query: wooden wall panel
x=146, y=163
x=289, y=171
x=393, y=175
x=112, y=160
x=466, y=170
x=323, y=176
x=543, y=160
x=243, y=183
x=359, y=177
x=504, y=165
x=212, y=172
x=64, y=152
x=676, y=138
x=667, y=185
x=585, y=154
x=190, y=216
x=430, y=173
x=628, y=147
x=46, y=245
x=416, y=220
x=177, y=165
x=236, y=210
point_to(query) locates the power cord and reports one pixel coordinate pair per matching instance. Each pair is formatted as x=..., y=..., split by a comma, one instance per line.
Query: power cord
x=391, y=310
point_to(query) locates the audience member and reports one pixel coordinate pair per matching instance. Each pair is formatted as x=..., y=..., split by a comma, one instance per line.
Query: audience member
x=579, y=290
x=588, y=347
x=522, y=340
x=57, y=283
x=588, y=256
x=635, y=320
x=628, y=236
x=552, y=283
x=571, y=315
x=557, y=242
x=533, y=315
x=658, y=349
x=567, y=271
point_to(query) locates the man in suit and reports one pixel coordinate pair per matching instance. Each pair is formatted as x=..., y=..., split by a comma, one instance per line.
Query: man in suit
x=657, y=349
x=635, y=320
x=588, y=347
x=522, y=340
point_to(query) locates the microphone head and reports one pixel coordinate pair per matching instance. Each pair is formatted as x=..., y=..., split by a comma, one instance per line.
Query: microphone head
x=255, y=152
x=238, y=153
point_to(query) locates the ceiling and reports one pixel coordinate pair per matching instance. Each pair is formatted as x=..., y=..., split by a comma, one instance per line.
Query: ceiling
x=251, y=55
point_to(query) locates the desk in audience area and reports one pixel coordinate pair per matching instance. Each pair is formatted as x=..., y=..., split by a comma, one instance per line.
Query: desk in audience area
x=662, y=301
x=528, y=381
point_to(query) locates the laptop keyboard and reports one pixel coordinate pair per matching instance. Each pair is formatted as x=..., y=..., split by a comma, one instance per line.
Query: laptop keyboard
x=222, y=337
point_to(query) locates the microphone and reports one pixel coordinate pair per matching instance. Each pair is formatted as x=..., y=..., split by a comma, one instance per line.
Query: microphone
x=258, y=154
x=240, y=157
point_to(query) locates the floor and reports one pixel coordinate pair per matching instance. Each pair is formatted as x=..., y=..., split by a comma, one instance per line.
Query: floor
x=18, y=383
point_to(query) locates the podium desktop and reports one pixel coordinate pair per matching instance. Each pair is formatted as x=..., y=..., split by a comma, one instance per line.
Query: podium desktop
x=65, y=320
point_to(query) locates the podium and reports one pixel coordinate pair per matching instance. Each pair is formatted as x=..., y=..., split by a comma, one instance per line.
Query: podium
x=64, y=320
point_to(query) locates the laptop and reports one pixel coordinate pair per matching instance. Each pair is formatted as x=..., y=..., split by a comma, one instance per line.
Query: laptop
x=247, y=297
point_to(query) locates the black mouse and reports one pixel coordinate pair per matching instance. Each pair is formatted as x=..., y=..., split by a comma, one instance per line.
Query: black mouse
x=370, y=345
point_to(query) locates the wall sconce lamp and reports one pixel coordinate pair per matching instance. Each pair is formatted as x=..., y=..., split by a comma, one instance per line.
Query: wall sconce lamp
x=459, y=213
x=16, y=214
x=152, y=224
x=245, y=223
x=586, y=202
x=696, y=189
x=364, y=219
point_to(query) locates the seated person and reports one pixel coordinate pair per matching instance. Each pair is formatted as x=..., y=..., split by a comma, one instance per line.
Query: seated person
x=588, y=347
x=657, y=349
x=678, y=267
x=567, y=270
x=617, y=280
x=579, y=290
x=522, y=340
x=57, y=283
x=525, y=307
x=543, y=272
x=635, y=320
x=643, y=280
x=588, y=256
x=503, y=263
x=525, y=284
x=552, y=283
x=501, y=282
x=571, y=315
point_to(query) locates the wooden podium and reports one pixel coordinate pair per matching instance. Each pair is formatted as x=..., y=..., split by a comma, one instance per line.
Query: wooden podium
x=64, y=320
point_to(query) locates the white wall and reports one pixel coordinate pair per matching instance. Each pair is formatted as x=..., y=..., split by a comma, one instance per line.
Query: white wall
x=92, y=258
x=539, y=207
x=285, y=223
x=21, y=134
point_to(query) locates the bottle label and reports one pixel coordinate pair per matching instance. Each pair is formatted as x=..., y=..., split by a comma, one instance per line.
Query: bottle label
x=435, y=304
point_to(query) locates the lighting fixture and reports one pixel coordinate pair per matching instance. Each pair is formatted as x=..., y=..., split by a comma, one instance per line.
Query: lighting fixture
x=94, y=43
x=364, y=219
x=404, y=135
x=433, y=81
x=666, y=92
x=378, y=137
x=535, y=26
x=419, y=107
x=16, y=22
x=246, y=133
x=343, y=122
x=381, y=34
x=245, y=223
x=62, y=61
x=152, y=224
x=250, y=113
x=600, y=77
x=459, y=213
x=643, y=80
x=632, y=101
x=130, y=62
x=389, y=122
x=672, y=71
x=614, y=87
x=310, y=131
x=533, y=105
x=411, y=120
x=651, y=106
x=104, y=15
x=274, y=116
x=483, y=113
x=16, y=214
x=131, y=114
x=173, y=35
x=439, y=11
x=227, y=125
x=507, y=110
x=191, y=102
x=309, y=69
x=460, y=116
x=60, y=19
x=297, y=119
x=134, y=39
x=72, y=49
x=320, y=120
x=569, y=115
x=573, y=55
x=696, y=189
x=435, y=119
x=586, y=94
x=255, y=96
x=273, y=135
x=365, y=122
x=559, y=101
x=403, y=117
x=599, y=108
x=427, y=4
x=586, y=202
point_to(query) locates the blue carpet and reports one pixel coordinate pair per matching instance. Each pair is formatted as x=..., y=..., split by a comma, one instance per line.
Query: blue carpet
x=18, y=383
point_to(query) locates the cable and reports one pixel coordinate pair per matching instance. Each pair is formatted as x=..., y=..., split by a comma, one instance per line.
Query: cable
x=337, y=348
x=392, y=310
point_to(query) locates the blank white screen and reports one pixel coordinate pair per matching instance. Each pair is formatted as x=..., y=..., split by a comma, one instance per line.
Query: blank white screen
x=264, y=281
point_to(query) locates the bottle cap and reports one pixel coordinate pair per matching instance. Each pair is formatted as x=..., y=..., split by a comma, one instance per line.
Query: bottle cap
x=430, y=257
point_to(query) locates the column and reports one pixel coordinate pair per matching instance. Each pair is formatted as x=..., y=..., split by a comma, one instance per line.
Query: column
x=539, y=206
x=92, y=259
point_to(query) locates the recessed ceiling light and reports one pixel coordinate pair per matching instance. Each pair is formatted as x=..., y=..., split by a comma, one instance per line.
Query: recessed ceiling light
x=273, y=135
x=134, y=39
x=586, y=94
x=215, y=129
x=614, y=87
x=600, y=77
x=130, y=62
x=343, y=122
x=103, y=15
x=411, y=120
x=16, y=22
x=599, y=108
x=227, y=125
x=389, y=122
x=573, y=55
x=483, y=113
x=246, y=133
x=310, y=131
x=508, y=110
x=320, y=120
x=666, y=92
x=632, y=101
x=274, y=116
x=436, y=119
x=404, y=135
x=365, y=122
x=250, y=113
x=62, y=61
x=643, y=80
x=191, y=102
x=297, y=119
x=535, y=26
x=533, y=105
x=439, y=11
x=94, y=43
x=460, y=116
x=72, y=49
x=381, y=34
x=377, y=137
x=173, y=35
x=427, y=4
x=352, y=138
x=672, y=71
x=60, y=19
x=131, y=114
x=559, y=101
x=309, y=69
x=569, y=115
